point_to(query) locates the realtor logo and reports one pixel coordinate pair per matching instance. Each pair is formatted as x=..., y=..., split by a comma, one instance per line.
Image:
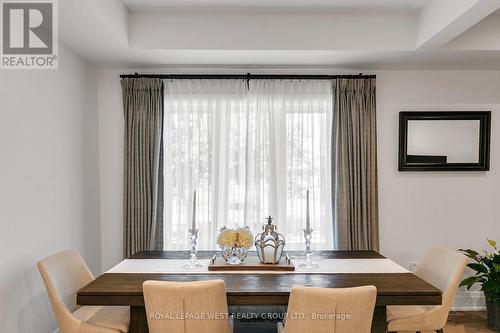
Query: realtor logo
x=29, y=34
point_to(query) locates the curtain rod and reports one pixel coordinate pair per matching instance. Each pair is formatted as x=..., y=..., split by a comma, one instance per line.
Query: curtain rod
x=247, y=76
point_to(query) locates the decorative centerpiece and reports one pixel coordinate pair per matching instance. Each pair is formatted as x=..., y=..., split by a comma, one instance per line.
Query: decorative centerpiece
x=270, y=244
x=234, y=244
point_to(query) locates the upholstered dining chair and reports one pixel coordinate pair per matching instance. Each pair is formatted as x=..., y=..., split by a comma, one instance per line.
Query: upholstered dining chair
x=187, y=307
x=64, y=274
x=444, y=269
x=325, y=310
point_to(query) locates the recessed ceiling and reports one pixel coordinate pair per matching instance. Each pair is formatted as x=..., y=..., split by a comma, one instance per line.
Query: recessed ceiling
x=382, y=5
x=356, y=34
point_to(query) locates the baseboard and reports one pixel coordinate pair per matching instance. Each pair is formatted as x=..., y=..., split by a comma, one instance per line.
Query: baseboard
x=469, y=301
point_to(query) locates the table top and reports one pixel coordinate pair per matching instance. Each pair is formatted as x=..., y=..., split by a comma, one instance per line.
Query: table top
x=263, y=289
x=329, y=254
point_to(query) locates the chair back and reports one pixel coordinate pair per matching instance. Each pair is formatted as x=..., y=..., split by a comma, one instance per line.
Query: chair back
x=64, y=274
x=186, y=307
x=327, y=310
x=444, y=269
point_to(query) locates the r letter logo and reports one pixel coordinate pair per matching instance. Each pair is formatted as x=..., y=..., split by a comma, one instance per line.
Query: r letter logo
x=29, y=34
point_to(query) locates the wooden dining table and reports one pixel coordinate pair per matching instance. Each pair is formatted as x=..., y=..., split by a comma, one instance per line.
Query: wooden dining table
x=261, y=289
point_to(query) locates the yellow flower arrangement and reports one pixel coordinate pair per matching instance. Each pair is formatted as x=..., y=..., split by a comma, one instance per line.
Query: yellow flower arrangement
x=226, y=237
x=241, y=237
x=245, y=237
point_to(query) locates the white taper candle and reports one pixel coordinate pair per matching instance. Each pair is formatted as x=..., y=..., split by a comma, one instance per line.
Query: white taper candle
x=308, y=220
x=193, y=223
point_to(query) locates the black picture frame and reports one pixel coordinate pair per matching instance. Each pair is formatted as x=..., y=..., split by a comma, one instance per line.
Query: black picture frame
x=438, y=163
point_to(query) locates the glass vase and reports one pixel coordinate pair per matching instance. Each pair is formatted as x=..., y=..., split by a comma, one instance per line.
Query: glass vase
x=234, y=255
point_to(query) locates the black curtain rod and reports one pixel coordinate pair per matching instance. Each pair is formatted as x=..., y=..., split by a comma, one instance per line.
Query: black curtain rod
x=247, y=76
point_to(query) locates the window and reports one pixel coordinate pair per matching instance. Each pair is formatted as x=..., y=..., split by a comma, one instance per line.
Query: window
x=250, y=150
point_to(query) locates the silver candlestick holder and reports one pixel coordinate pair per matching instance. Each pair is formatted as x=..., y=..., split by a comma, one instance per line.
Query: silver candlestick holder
x=193, y=261
x=309, y=263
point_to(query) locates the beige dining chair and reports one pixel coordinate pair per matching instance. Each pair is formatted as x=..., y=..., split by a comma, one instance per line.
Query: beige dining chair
x=326, y=310
x=64, y=274
x=444, y=269
x=187, y=307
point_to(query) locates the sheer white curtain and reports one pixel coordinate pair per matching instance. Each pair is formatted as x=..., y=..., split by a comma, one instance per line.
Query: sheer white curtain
x=198, y=116
x=249, y=152
x=299, y=126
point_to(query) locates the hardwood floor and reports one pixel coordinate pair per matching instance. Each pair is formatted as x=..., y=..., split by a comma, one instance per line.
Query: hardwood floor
x=466, y=322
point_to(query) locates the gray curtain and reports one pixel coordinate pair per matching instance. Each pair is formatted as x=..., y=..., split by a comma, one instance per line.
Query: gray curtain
x=354, y=154
x=143, y=165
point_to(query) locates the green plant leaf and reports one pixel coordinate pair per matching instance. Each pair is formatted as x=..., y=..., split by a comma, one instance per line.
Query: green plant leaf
x=469, y=282
x=470, y=253
x=489, y=286
x=487, y=271
x=478, y=268
x=489, y=263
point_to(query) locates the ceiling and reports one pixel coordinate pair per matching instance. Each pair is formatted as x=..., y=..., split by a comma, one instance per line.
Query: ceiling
x=355, y=34
x=383, y=5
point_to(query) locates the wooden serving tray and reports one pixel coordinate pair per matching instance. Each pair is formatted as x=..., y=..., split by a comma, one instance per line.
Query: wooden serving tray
x=251, y=263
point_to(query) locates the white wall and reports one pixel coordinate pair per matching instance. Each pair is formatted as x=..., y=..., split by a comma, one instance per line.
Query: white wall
x=457, y=209
x=110, y=109
x=49, y=183
x=418, y=209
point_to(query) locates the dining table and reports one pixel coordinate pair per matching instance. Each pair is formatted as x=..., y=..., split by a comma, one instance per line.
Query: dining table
x=122, y=284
